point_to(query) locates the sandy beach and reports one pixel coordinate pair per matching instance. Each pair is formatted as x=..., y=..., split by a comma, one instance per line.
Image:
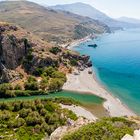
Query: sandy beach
x=76, y=42
x=80, y=112
x=85, y=82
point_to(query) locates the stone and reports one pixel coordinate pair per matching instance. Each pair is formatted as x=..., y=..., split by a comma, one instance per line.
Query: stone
x=135, y=137
x=127, y=137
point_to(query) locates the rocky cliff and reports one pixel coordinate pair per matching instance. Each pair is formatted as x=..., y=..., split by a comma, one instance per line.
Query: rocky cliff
x=21, y=48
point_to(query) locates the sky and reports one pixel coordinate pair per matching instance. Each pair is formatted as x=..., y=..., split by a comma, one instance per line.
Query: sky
x=113, y=8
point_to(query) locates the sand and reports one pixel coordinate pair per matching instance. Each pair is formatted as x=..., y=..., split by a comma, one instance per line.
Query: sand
x=80, y=112
x=88, y=83
x=76, y=42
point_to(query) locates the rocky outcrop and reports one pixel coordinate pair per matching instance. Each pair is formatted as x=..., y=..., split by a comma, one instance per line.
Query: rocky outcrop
x=12, y=51
x=20, y=48
x=61, y=131
x=82, y=60
x=135, y=137
x=8, y=75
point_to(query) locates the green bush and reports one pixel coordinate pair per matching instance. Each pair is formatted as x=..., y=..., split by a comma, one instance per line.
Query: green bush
x=24, y=120
x=48, y=71
x=59, y=75
x=44, y=84
x=73, y=62
x=17, y=87
x=55, y=85
x=55, y=50
x=24, y=112
x=105, y=129
x=31, y=84
x=4, y=88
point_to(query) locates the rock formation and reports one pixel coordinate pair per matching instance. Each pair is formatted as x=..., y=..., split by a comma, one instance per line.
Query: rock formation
x=136, y=136
x=21, y=48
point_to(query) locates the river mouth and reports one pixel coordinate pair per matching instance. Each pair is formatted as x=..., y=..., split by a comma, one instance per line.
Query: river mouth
x=89, y=101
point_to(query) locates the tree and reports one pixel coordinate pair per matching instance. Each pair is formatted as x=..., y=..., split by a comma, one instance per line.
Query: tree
x=49, y=71
x=31, y=84
x=33, y=119
x=55, y=50
x=44, y=84
x=18, y=87
x=55, y=85
x=3, y=88
x=59, y=75
x=24, y=112
x=16, y=123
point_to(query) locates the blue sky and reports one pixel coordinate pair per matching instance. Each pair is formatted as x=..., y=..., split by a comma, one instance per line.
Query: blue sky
x=114, y=8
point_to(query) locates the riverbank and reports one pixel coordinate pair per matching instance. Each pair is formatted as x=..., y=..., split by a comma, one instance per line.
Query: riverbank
x=80, y=112
x=85, y=82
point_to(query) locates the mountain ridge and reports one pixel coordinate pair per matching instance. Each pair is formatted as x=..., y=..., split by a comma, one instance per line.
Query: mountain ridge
x=53, y=26
x=129, y=20
x=87, y=10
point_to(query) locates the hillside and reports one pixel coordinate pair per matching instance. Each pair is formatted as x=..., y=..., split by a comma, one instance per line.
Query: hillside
x=21, y=51
x=89, y=11
x=53, y=26
x=129, y=20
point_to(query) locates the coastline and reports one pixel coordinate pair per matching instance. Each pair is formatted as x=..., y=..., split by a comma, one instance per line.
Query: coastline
x=92, y=85
x=77, y=42
x=88, y=83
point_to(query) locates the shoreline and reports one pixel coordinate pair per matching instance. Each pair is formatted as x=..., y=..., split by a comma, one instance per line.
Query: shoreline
x=90, y=84
x=77, y=42
x=108, y=103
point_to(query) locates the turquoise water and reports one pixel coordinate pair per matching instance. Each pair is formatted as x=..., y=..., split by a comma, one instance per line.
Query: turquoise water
x=117, y=64
x=81, y=97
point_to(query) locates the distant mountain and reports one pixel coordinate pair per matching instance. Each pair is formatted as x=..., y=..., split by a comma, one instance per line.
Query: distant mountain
x=89, y=11
x=51, y=25
x=82, y=9
x=129, y=20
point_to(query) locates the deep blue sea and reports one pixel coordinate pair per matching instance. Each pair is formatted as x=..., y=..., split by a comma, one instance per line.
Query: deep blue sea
x=117, y=64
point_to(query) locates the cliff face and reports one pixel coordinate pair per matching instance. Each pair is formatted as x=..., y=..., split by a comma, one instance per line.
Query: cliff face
x=21, y=48
x=12, y=49
x=11, y=52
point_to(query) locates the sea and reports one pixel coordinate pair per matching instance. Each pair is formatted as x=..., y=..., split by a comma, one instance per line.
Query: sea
x=116, y=61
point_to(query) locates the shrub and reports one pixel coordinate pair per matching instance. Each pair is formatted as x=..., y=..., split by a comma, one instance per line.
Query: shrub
x=44, y=84
x=38, y=71
x=33, y=119
x=31, y=84
x=49, y=71
x=16, y=123
x=55, y=50
x=105, y=129
x=55, y=85
x=17, y=87
x=24, y=112
x=73, y=62
x=9, y=94
x=59, y=75
x=24, y=120
x=4, y=88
